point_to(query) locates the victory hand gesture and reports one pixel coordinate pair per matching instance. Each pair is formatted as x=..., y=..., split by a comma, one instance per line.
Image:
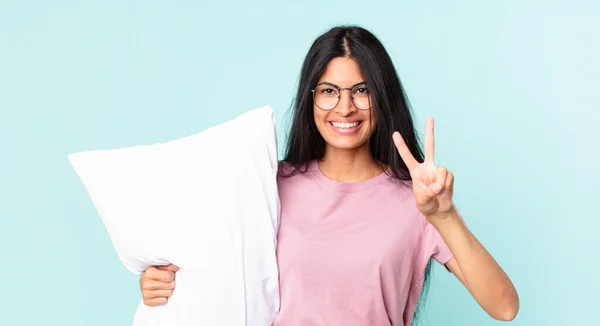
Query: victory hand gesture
x=432, y=185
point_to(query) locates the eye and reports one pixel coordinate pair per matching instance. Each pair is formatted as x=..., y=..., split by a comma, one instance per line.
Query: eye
x=362, y=90
x=328, y=91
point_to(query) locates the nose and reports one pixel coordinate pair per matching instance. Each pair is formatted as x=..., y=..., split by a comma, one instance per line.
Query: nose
x=345, y=106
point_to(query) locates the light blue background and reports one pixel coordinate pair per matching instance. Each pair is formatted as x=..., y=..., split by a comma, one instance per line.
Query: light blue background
x=514, y=87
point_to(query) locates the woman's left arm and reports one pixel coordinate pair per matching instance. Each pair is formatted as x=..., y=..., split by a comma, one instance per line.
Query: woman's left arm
x=476, y=268
x=472, y=264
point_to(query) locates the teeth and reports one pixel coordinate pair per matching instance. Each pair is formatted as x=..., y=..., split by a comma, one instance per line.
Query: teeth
x=345, y=125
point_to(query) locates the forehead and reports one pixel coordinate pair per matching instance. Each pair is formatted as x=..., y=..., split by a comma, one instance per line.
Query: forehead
x=344, y=72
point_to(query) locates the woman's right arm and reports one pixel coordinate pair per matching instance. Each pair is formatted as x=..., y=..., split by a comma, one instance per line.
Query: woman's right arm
x=157, y=284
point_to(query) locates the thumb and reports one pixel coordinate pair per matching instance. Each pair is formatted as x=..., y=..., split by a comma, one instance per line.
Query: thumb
x=169, y=268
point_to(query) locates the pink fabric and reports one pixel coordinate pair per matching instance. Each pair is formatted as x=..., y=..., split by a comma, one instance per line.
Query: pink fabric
x=351, y=253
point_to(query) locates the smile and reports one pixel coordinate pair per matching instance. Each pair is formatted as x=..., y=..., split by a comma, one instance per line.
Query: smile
x=345, y=125
x=345, y=128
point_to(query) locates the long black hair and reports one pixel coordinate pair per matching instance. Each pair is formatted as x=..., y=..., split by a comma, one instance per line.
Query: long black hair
x=387, y=97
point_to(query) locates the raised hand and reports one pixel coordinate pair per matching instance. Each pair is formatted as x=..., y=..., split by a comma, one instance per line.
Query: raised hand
x=432, y=185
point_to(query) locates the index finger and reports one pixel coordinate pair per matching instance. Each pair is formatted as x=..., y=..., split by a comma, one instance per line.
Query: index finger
x=405, y=153
x=162, y=276
x=429, y=140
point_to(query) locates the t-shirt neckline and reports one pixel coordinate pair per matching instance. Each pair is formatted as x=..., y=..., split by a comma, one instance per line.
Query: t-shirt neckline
x=346, y=186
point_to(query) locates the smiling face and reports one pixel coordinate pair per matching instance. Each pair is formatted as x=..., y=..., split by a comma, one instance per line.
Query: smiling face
x=345, y=126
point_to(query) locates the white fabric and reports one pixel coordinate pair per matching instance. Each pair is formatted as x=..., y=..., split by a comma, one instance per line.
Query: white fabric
x=207, y=203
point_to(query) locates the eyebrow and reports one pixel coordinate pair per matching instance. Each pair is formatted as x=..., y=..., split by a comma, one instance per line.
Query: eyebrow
x=332, y=84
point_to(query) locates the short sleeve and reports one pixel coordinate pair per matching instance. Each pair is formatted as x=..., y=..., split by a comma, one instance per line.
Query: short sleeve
x=435, y=245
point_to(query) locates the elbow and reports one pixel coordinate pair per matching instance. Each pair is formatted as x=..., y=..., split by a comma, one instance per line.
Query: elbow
x=507, y=307
x=508, y=314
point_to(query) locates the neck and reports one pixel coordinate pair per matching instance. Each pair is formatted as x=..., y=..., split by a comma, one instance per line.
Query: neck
x=349, y=165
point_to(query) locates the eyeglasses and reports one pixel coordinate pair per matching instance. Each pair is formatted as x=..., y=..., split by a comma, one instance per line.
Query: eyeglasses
x=327, y=96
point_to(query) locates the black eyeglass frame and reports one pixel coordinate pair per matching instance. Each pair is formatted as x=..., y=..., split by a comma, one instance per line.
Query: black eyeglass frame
x=340, y=89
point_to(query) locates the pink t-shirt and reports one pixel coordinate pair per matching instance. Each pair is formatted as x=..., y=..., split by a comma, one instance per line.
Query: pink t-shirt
x=351, y=253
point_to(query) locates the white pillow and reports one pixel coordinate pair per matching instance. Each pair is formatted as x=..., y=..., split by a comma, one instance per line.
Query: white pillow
x=207, y=203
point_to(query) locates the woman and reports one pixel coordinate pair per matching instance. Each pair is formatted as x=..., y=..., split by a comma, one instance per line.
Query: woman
x=363, y=210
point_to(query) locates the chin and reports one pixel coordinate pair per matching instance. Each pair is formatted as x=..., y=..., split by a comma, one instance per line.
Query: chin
x=345, y=144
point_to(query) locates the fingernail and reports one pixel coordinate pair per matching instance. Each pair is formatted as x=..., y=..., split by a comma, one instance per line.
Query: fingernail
x=436, y=187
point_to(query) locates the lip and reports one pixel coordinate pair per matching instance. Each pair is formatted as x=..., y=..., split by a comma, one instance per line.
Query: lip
x=345, y=121
x=346, y=131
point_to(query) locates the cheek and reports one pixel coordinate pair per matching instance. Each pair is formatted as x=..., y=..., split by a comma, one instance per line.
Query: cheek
x=371, y=123
x=372, y=126
x=319, y=116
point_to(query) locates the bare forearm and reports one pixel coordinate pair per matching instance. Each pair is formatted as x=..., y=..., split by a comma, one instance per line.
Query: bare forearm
x=482, y=275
